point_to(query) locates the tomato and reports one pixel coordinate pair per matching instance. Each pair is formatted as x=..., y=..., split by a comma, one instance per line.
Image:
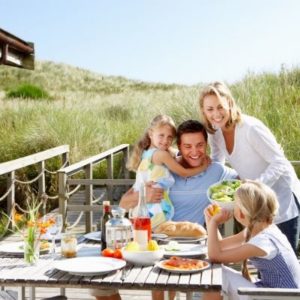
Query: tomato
x=108, y=252
x=118, y=254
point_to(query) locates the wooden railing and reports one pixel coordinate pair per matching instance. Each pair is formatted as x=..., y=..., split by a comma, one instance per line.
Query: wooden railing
x=9, y=169
x=86, y=166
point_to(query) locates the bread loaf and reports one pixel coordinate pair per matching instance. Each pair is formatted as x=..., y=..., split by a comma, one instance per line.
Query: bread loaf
x=181, y=229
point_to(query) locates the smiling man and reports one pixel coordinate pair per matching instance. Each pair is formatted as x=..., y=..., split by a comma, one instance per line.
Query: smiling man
x=188, y=194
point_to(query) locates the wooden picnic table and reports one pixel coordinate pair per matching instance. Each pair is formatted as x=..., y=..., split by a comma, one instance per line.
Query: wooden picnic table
x=14, y=272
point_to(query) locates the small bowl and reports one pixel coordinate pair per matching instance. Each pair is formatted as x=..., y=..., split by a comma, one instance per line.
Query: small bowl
x=143, y=258
x=227, y=188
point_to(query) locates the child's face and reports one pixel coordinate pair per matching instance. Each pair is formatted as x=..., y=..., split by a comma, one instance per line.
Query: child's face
x=161, y=137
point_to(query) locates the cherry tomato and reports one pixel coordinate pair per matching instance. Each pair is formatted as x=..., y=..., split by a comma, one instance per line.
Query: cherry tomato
x=118, y=254
x=108, y=252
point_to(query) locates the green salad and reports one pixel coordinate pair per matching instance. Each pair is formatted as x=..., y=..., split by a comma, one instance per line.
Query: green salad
x=224, y=190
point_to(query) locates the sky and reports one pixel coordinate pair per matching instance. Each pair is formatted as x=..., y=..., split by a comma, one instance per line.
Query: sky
x=168, y=41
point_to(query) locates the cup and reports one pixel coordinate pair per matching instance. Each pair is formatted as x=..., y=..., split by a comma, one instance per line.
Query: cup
x=68, y=245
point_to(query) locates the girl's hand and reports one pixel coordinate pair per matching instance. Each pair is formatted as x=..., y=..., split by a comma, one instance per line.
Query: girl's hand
x=216, y=213
x=223, y=216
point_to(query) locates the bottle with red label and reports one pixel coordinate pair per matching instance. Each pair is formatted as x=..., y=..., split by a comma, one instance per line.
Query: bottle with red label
x=141, y=221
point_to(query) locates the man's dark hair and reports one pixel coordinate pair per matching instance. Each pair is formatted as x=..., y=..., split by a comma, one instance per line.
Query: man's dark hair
x=190, y=126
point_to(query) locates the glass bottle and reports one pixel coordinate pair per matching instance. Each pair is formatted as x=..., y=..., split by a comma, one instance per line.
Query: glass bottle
x=118, y=229
x=106, y=216
x=142, y=222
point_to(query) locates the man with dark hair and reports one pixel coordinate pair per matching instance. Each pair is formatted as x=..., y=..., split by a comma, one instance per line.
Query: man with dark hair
x=188, y=194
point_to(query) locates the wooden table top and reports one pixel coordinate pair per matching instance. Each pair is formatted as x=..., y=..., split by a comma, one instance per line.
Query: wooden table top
x=14, y=272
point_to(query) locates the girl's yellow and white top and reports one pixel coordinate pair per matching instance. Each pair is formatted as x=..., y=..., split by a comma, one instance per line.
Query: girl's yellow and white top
x=160, y=174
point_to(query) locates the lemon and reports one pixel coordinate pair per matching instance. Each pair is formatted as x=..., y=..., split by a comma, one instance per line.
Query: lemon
x=132, y=246
x=152, y=246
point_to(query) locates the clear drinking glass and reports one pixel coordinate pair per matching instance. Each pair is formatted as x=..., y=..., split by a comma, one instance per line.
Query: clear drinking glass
x=54, y=229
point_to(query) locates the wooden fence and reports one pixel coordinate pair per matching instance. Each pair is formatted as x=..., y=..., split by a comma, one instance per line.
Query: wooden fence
x=10, y=168
x=86, y=166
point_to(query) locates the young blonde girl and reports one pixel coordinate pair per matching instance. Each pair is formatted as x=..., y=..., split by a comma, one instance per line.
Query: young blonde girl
x=261, y=242
x=153, y=159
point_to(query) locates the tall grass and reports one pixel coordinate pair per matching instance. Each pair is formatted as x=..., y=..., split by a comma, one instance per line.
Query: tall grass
x=93, y=113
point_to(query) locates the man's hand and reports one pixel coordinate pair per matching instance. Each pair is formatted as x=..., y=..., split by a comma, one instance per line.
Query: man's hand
x=154, y=194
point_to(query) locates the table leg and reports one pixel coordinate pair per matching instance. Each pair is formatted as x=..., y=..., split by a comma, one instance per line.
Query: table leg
x=21, y=293
x=31, y=293
x=63, y=291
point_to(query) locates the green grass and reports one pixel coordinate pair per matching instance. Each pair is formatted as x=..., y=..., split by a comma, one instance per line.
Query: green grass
x=27, y=91
x=93, y=113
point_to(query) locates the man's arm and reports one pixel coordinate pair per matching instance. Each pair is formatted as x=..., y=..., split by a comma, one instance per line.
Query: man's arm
x=131, y=198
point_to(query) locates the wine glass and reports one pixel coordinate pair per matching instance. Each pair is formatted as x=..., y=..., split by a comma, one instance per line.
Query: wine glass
x=54, y=229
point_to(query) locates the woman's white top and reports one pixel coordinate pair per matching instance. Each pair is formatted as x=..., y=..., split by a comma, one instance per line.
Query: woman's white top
x=256, y=155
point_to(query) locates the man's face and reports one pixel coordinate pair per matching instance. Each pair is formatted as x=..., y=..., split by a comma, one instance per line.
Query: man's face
x=193, y=148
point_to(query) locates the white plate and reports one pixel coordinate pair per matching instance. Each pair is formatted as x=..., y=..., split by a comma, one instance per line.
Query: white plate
x=183, y=239
x=16, y=248
x=186, y=250
x=91, y=265
x=180, y=271
x=94, y=236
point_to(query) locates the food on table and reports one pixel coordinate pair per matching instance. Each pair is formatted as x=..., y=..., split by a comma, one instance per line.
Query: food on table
x=214, y=209
x=108, y=252
x=132, y=246
x=118, y=254
x=44, y=245
x=115, y=253
x=224, y=191
x=180, y=263
x=181, y=229
x=172, y=246
x=152, y=245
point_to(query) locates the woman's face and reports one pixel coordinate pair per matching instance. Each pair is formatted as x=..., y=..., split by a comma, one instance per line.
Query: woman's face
x=216, y=112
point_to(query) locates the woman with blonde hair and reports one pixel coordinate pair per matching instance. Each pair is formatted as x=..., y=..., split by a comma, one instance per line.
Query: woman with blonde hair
x=251, y=149
x=261, y=242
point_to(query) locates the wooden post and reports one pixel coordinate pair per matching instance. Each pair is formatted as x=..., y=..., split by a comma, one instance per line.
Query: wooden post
x=42, y=179
x=110, y=175
x=88, y=198
x=62, y=196
x=11, y=195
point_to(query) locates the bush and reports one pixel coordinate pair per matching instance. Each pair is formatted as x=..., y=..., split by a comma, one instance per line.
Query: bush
x=29, y=91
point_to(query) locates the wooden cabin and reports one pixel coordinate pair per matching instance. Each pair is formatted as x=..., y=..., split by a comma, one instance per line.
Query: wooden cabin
x=15, y=51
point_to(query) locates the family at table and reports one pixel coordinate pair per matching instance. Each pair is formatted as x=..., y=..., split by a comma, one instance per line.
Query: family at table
x=177, y=186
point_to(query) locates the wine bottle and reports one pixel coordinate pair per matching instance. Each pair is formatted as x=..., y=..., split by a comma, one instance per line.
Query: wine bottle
x=107, y=215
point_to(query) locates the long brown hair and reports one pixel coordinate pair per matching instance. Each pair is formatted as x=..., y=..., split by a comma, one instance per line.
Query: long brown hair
x=258, y=203
x=145, y=141
x=222, y=92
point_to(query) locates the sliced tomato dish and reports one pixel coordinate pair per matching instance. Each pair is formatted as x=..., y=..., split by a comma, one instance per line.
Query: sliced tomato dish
x=180, y=263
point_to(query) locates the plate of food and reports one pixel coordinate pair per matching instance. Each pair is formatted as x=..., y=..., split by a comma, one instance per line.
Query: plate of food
x=89, y=266
x=183, y=265
x=183, y=250
x=222, y=192
x=93, y=236
x=18, y=247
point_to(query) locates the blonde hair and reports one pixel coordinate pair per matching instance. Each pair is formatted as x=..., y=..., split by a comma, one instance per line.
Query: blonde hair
x=258, y=203
x=221, y=91
x=145, y=141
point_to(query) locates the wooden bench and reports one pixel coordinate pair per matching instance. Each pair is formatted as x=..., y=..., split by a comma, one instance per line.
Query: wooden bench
x=269, y=293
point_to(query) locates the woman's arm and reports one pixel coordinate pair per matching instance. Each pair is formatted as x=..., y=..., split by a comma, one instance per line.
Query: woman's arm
x=264, y=143
x=164, y=157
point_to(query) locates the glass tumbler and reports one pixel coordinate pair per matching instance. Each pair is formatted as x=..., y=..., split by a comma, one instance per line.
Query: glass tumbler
x=68, y=245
